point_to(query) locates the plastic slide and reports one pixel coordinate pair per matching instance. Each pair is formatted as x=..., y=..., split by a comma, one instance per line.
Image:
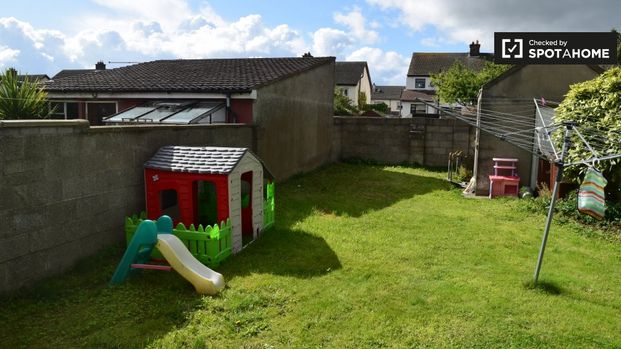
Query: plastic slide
x=150, y=234
x=205, y=280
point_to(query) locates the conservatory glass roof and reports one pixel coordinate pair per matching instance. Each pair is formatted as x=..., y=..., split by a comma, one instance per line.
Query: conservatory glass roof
x=168, y=112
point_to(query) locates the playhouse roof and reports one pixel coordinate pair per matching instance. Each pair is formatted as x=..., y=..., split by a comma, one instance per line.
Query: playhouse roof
x=207, y=160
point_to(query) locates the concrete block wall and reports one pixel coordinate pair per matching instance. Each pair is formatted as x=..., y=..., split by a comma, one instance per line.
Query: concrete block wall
x=65, y=187
x=294, y=122
x=423, y=141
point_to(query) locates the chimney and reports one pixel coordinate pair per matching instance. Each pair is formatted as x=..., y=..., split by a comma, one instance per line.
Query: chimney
x=474, y=48
x=101, y=66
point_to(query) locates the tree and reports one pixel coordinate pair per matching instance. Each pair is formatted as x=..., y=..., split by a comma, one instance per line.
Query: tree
x=362, y=100
x=596, y=105
x=21, y=98
x=461, y=85
x=342, y=104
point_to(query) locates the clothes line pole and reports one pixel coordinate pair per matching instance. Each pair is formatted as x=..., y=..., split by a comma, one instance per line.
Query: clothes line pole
x=560, y=166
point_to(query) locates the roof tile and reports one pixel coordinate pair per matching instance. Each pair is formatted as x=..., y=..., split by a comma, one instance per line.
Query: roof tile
x=212, y=160
x=188, y=75
x=348, y=73
x=427, y=63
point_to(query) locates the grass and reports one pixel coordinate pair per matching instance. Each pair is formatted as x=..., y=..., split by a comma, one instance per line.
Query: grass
x=361, y=257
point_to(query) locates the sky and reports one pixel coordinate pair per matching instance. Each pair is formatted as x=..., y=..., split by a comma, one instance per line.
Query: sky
x=44, y=37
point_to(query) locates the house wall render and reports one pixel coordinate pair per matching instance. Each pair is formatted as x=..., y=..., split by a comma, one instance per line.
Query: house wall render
x=294, y=134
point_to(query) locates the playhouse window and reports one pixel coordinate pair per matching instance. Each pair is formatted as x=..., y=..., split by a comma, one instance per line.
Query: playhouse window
x=169, y=205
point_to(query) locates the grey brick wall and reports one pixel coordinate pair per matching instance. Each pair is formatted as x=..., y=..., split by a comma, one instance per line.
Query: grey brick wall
x=421, y=141
x=65, y=187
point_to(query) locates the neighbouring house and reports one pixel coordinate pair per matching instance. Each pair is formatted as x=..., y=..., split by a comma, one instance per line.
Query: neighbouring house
x=31, y=77
x=290, y=100
x=353, y=80
x=73, y=72
x=34, y=77
x=419, y=87
x=390, y=95
x=159, y=91
x=513, y=93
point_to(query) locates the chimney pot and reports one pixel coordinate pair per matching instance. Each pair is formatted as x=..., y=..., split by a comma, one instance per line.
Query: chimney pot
x=475, y=49
x=100, y=66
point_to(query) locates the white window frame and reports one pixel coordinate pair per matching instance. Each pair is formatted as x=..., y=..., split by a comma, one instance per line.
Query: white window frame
x=64, y=102
x=414, y=105
x=417, y=80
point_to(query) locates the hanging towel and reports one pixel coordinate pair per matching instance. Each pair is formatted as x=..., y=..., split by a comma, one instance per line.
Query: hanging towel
x=591, y=197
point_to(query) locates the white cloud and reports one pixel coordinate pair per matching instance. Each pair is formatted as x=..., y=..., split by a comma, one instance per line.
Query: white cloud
x=144, y=30
x=458, y=21
x=357, y=25
x=385, y=67
x=169, y=13
x=145, y=36
x=28, y=49
x=330, y=42
x=7, y=56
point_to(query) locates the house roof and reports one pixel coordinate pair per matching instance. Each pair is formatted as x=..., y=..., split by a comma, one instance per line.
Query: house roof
x=598, y=69
x=204, y=160
x=349, y=73
x=34, y=77
x=71, y=72
x=414, y=95
x=387, y=92
x=427, y=63
x=189, y=75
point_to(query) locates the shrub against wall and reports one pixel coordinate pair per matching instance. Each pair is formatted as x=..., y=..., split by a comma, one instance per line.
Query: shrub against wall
x=596, y=106
x=21, y=98
x=343, y=105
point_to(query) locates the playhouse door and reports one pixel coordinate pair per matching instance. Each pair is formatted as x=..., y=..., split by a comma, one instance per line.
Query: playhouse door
x=246, y=203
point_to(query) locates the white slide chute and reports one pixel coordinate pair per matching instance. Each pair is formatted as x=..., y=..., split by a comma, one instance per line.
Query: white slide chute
x=205, y=280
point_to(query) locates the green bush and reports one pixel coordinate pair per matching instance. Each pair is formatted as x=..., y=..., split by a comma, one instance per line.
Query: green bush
x=463, y=174
x=460, y=84
x=343, y=105
x=380, y=107
x=595, y=105
x=567, y=209
x=21, y=98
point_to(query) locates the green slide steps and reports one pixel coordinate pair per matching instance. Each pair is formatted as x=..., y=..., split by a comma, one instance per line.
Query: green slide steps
x=140, y=247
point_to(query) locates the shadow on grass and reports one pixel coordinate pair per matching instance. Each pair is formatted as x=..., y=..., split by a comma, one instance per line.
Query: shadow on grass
x=79, y=309
x=548, y=287
x=340, y=189
x=282, y=251
x=349, y=190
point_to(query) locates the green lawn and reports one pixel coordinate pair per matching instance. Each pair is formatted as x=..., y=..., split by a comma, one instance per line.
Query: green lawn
x=361, y=257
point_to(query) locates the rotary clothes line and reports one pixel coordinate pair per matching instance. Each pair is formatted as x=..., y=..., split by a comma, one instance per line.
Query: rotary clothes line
x=542, y=135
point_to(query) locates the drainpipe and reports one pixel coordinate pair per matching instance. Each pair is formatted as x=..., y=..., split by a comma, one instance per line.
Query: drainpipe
x=228, y=108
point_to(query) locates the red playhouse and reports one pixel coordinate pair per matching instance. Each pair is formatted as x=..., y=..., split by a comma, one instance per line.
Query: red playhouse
x=207, y=185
